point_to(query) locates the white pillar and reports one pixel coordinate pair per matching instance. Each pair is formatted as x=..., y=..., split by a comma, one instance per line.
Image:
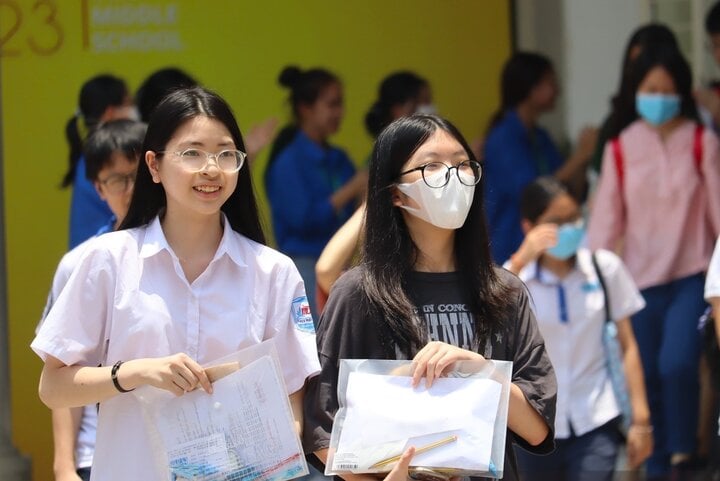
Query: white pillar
x=585, y=40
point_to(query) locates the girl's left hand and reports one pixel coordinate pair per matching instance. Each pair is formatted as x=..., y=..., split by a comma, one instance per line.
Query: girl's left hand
x=639, y=445
x=435, y=357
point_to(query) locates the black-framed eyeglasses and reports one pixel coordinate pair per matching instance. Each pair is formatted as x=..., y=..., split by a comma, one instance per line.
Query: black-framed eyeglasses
x=437, y=174
x=119, y=183
x=196, y=160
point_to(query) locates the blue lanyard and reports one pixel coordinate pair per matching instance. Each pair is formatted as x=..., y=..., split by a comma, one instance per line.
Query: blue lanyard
x=562, y=298
x=562, y=303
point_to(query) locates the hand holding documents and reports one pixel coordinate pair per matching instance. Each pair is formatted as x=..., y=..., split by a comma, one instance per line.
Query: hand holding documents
x=457, y=425
x=243, y=431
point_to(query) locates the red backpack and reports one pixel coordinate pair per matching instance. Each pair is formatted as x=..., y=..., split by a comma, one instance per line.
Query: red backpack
x=619, y=158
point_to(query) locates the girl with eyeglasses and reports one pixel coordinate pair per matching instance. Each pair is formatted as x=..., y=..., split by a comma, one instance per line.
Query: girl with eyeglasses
x=111, y=155
x=103, y=98
x=185, y=281
x=426, y=288
x=311, y=184
x=565, y=281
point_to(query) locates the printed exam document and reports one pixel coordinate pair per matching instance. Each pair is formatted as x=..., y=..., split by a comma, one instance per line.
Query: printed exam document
x=243, y=431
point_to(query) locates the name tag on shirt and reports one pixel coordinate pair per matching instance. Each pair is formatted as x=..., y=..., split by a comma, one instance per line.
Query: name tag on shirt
x=591, y=286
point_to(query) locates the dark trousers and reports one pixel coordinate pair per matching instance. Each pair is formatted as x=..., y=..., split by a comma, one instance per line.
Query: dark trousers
x=669, y=344
x=84, y=474
x=589, y=457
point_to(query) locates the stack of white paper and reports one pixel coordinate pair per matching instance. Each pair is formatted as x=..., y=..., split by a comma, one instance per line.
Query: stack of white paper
x=385, y=414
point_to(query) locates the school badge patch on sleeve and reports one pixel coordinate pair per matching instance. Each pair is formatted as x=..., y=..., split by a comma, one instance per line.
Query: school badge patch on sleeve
x=302, y=317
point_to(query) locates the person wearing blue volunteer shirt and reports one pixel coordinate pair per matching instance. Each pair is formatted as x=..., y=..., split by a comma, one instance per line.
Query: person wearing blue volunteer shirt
x=311, y=185
x=102, y=99
x=516, y=150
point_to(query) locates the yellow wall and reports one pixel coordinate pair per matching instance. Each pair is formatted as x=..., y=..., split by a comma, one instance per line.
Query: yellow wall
x=234, y=47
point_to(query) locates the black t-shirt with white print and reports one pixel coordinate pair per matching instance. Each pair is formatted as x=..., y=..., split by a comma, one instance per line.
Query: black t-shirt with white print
x=350, y=328
x=440, y=307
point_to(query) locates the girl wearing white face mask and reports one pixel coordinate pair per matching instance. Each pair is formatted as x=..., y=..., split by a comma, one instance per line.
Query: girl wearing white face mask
x=569, y=304
x=658, y=205
x=426, y=288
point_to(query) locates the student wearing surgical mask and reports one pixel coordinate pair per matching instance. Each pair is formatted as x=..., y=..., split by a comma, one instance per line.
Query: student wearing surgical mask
x=400, y=94
x=569, y=305
x=658, y=205
x=426, y=288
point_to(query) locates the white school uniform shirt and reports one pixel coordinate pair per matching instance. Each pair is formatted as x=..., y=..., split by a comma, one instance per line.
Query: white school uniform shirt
x=85, y=441
x=571, y=313
x=712, y=280
x=128, y=298
x=712, y=283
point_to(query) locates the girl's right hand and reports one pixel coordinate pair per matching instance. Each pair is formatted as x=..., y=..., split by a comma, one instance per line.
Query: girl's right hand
x=177, y=373
x=538, y=240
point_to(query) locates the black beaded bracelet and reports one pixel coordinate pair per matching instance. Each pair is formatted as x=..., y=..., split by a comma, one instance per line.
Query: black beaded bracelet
x=113, y=375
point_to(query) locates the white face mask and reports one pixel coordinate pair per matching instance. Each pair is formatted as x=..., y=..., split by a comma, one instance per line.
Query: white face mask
x=129, y=112
x=426, y=109
x=445, y=207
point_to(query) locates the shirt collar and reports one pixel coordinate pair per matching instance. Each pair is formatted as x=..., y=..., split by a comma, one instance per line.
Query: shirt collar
x=583, y=266
x=513, y=121
x=230, y=243
x=310, y=145
x=154, y=240
x=108, y=227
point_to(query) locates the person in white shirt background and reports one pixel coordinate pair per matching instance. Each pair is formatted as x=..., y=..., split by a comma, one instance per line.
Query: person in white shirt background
x=569, y=304
x=185, y=280
x=712, y=293
x=111, y=157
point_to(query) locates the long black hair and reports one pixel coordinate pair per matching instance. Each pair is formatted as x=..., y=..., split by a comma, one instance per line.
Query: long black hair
x=712, y=20
x=173, y=111
x=305, y=88
x=650, y=36
x=157, y=86
x=388, y=253
x=670, y=59
x=521, y=73
x=96, y=95
x=396, y=89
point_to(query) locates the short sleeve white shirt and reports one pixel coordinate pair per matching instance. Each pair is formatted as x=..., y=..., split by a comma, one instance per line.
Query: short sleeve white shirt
x=85, y=441
x=128, y=298
x=712, y=281
x=571, y=313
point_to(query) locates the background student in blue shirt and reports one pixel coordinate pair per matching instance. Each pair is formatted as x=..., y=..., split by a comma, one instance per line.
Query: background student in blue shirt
x=311, y=185
x=517, y=150
x=102, y=98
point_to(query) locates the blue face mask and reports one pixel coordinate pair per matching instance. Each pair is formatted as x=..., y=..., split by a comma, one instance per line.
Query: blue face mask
x=569, y=238
x=657, y=109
